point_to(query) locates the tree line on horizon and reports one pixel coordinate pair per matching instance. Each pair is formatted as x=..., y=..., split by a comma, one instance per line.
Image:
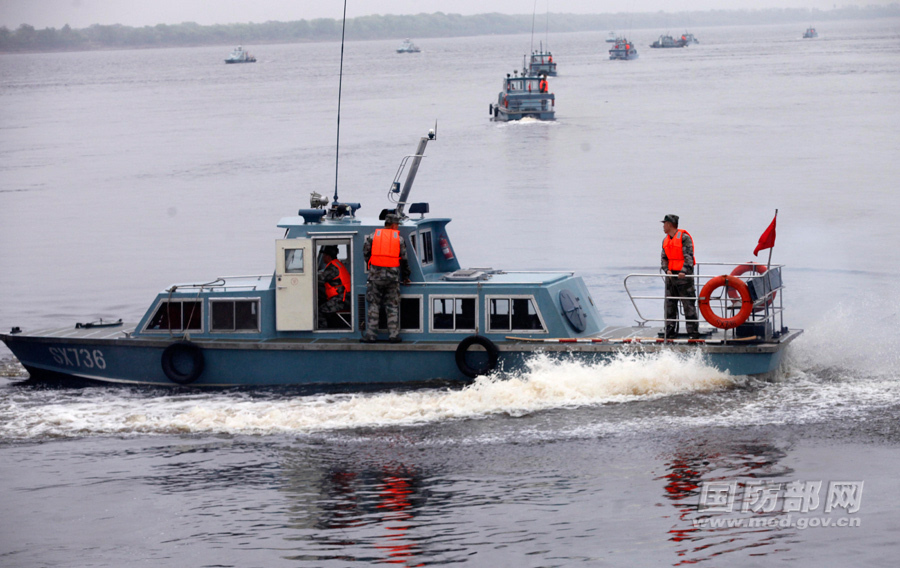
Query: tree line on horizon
x=26, y=38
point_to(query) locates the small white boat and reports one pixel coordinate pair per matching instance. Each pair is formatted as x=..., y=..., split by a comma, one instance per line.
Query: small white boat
x=408, y=47
x=240, y=56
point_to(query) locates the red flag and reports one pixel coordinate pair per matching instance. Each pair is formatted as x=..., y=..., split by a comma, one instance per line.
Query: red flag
x=767, y=240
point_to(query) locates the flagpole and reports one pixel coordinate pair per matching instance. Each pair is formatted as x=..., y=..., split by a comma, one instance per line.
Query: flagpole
x=769, y=263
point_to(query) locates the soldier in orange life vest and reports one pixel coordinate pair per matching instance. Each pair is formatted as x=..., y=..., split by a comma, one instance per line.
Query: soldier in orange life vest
x=334, y=286
x=678, y=261
x=385, y=254
x=543, y=84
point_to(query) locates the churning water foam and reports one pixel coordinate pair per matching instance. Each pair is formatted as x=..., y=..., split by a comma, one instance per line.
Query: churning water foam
x=847, y=363
x=546, y=383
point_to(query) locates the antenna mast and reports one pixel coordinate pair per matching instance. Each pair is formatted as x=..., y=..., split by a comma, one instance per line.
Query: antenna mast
x=533, y=12
x=337, y=149
x=547, y=32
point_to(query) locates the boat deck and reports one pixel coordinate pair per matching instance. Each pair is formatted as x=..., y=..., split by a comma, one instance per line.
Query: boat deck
x=613, y=338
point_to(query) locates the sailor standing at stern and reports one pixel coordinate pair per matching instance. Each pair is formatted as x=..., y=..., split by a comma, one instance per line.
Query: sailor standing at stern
x=678, y=262
x=385, y=254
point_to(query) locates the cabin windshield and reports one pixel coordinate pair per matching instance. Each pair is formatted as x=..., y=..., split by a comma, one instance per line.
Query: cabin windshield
x=526, y=85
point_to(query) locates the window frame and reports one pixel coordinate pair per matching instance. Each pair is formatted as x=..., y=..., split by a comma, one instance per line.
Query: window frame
x=455, y=329
x=511, y=297
x=420, y=329
x=235, y=299
x=427, y=246
x=166, y=300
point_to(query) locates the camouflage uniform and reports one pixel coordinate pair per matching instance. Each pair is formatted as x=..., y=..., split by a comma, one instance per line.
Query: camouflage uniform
x=383, y=288
x=676, y=286
x=331, y=275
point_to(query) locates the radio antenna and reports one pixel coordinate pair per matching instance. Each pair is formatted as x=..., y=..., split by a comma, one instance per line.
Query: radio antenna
x=533, y=12
x=337, y=149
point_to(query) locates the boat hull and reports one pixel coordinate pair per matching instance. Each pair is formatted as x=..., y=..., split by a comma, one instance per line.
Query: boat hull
x=623, y=54
x=504, y=115
x=258, y=363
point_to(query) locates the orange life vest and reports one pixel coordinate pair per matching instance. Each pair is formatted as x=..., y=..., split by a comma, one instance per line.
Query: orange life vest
x=544, y=86
x=385, y=248
x=330, y=289
x=674, y=251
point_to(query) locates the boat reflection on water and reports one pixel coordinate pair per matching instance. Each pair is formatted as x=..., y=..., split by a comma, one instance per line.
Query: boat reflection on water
x=381, y=504
x=688, y=470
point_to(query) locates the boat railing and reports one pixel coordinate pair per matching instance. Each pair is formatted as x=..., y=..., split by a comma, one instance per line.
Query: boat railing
x=224, y=283
x=764, y=285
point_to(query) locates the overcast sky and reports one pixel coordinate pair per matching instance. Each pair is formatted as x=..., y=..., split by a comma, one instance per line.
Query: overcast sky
x=83, y=13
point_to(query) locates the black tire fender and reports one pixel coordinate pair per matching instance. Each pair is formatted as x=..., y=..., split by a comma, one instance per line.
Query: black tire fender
x=182, y=350
x=463, y=348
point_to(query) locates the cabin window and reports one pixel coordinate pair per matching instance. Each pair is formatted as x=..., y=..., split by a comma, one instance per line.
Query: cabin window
x=410, y=314
x=513, y=314
x=453, y=314
x=412, y=241
x=427, y=248
x=234, y=315
x=293, y=261
x=177, y=316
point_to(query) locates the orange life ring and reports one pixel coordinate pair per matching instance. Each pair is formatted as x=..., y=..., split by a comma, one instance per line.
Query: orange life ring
x=750, y=267
x=740, y=287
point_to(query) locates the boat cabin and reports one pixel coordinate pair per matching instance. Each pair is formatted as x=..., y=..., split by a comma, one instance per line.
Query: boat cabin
x=442, y=303
x=524, y=97
x=541, y=63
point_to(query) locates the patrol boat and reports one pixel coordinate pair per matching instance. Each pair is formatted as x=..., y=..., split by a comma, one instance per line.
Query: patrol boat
x=524, y=97
x=810, y=33
x=667, y=41
x=623, y=49
x=240, y=56
x=408, y=47
x=541, y=63
x=456, y=323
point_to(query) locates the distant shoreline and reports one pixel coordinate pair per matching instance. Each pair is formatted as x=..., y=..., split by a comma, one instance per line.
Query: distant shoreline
x=27, y=39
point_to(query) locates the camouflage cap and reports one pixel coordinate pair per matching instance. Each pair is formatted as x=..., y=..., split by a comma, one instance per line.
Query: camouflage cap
x=671, y=219
x=391, y=219
x=330, y=250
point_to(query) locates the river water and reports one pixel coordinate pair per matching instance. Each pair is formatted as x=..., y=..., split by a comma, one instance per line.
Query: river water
x=126, y=171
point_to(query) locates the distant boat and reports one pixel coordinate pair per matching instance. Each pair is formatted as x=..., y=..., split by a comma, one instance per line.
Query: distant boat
x=240, y=56
x=611, y=37
x=689, y=38
x=666, y=41
x=541, y=63
x=623, y=49
x=524, y=97
x=810, y=33
x=408, y=47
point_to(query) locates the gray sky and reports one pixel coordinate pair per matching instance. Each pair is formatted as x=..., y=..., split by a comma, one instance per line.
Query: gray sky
x=83, y=13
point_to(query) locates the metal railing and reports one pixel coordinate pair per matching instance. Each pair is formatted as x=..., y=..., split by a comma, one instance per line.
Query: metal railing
x=766, y=319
